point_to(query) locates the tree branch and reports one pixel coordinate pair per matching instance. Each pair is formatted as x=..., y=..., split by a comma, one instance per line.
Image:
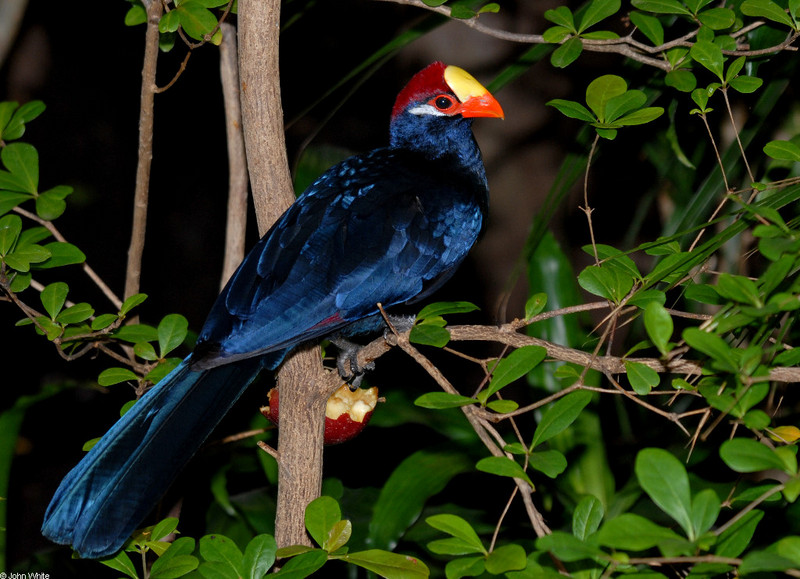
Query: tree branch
x=624, y=46
x=136, y=249
x=236, y=226
x=303, y=383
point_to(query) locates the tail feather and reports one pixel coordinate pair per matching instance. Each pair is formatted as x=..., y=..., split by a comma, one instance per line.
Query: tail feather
x=105, y=497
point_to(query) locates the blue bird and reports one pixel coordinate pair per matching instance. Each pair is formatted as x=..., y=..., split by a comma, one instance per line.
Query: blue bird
x=389, y=226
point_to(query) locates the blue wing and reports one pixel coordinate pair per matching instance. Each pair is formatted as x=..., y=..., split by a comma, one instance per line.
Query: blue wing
x=376, y=228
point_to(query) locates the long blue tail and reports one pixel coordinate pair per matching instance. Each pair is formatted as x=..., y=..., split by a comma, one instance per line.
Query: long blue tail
x=105, y=497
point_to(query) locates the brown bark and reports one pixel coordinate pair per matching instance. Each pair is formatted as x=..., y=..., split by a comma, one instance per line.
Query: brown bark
x=236, y=225
x=146, y=110
x=303, y=383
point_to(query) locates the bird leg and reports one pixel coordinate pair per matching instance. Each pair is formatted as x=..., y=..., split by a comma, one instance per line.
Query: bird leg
x=347, y=360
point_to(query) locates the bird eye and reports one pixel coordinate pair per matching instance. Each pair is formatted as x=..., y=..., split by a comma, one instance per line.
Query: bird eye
x=444, y=103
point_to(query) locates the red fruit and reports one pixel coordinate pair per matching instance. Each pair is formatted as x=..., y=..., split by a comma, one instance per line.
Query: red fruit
x=346, y=413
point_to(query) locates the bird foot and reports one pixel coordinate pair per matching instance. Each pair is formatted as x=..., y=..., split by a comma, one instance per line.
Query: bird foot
x=347, y=362
x=399, y=324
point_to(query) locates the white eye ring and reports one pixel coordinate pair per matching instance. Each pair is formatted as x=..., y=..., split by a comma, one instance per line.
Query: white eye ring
x=426, y=109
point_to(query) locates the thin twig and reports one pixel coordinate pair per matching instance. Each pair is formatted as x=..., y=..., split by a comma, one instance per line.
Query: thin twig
x=145, y=154
x=96, y=279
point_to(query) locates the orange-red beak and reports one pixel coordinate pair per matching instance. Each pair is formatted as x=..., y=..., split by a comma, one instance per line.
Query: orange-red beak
x=475, y=100
x=482, y=106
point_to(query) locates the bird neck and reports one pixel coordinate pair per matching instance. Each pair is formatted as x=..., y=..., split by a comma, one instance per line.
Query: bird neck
x=443, y=140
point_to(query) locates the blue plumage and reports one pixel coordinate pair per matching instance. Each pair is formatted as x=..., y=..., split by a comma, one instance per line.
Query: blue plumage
x=388, y=227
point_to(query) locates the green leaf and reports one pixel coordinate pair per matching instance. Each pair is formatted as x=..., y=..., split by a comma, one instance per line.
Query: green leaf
x=587, y=517
x=50, y=204
x=132, y=302
x=445, y=308
x=642, y=378
x=61, y=254
x=439, y=400
x=556, y=34
x=53, y=297
x=514, y=366
x=640, y=117
x=550, y=462
x=13, y=128
x=739, y=289
x=664, y=479
x=783, y=151
x=568, y=548
x=135, y=15
x=662, y=6
x=259, y=556
x=502, y=406
x=174, y=567
x=746, y=84
x=503, y=466
x=454, y=546
x=122, y=563
x=710, y=56
x=111, y=376
x=535, y=304
x=607, y=282
x=303, y=565
x=560, y=416
x=659, y=326
x=338, y=536
x=567, y=53
x=171, y=333
x=170, y=22
x=764, y=561
x=10, y=228
x=25, y=255
x=197, y=21
x=459, y=528
x=712, y=346
x=626, y=102
x=561, y=16
x=717, y=18
x=429, y=335
x=705, y=510
x=506, y=558
x=572, y=110
x=766, y=9
x=164, y=528
x=681, y=79
x=102, y=321
x=403, y=496
x=387, y=564
x=75, y=314
x=176, y=561
x=7, y=109
x=735, y=539
x=748, y=455
x=321, y=515
x=221, y=549
x=461, y=12
x=650, y=26
x=601, y=90
x=22, y=161
x=596, y=11
x=10, y=199
x=631, y=532
x=465, y=567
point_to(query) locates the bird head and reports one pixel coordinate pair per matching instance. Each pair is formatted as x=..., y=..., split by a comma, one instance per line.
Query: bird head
x=434, y=111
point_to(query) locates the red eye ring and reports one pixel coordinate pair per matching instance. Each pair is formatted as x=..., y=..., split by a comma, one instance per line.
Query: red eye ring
x=444, y=103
